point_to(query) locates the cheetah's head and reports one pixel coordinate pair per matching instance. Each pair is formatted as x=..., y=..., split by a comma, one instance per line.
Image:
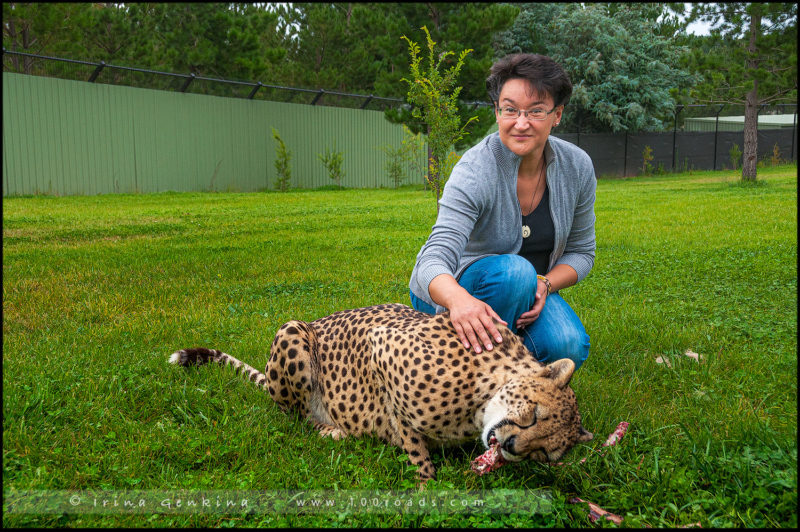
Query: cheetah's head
x=537, y=416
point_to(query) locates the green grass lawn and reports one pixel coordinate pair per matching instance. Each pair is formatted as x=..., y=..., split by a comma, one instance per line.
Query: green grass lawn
x=98, y=291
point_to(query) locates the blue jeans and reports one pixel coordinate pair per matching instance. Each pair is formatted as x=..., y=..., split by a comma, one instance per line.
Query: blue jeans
x=507, y=283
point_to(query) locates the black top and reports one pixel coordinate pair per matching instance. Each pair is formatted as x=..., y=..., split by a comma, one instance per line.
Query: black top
x=539, y=245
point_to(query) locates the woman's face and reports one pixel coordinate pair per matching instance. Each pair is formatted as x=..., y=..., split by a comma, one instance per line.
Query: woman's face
x=523, y=135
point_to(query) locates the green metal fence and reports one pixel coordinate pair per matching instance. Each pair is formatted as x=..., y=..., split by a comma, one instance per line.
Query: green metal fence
x=64, y=137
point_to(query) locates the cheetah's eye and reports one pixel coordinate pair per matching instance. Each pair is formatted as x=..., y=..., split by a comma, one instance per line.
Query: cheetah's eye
x=533, y=419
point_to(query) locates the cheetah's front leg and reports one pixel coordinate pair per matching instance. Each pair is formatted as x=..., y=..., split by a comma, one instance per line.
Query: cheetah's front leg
x=399, y=432
x=413, y=443
x=326, y=430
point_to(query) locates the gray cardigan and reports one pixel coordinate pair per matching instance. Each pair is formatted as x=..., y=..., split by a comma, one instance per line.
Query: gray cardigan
x=479, y=213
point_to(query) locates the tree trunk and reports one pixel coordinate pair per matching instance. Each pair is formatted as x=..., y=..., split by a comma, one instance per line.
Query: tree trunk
x=428, y=176
x=750, y=155
x=432, y=179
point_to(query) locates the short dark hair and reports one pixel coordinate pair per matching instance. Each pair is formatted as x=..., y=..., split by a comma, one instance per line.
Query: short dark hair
x=544, y=75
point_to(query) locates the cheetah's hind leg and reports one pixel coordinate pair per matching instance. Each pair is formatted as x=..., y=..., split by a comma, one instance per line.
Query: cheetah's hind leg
x=293, y=376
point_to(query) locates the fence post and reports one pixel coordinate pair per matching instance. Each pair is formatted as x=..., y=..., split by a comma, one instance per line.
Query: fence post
x=794, y=130
x=369, y=99
x=255, y=89
x=625, y=161
x=317, y=97
x=189, y=79
x=716, y=132
x=675, y=135
x=97, y=71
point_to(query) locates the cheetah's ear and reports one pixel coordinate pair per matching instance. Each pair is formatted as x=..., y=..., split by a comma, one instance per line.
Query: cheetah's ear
x=561, y=371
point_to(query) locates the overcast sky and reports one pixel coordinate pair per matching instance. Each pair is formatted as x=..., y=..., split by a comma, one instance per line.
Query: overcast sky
x=698, y=28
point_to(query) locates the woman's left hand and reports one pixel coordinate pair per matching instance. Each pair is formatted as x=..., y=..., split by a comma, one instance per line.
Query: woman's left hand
x=526, y=318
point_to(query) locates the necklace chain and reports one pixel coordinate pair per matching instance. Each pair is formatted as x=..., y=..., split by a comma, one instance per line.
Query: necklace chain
x=526, y=231
x=535, y=188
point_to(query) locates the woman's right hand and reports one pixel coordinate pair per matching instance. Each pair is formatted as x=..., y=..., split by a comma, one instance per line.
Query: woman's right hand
x=472, y=319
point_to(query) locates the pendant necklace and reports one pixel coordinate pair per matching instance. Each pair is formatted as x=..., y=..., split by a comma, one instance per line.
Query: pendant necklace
x=526, y=231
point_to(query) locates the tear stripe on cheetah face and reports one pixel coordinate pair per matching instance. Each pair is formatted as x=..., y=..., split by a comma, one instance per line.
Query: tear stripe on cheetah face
x=404, y=376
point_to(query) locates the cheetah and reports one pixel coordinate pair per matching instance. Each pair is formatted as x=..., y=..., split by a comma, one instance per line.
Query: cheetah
x=404, y=376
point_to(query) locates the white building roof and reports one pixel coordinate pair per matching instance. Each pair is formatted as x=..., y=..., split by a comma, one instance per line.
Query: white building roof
x=736, y=123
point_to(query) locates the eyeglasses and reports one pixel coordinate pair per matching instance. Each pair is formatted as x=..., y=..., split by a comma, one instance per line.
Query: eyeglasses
x=510, y=113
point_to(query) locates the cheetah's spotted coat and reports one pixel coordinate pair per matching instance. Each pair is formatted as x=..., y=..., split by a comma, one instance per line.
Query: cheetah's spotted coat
x=405, y=376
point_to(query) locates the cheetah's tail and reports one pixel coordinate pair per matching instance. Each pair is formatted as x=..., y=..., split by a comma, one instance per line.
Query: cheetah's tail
x=197, y=356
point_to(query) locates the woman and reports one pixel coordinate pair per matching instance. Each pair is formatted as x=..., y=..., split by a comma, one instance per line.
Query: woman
x=516, y=222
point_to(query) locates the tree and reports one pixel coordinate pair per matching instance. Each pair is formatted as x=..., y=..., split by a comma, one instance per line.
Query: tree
x=214, y=40
x=528, y=34
x=435, y=97
x=317, y=31
x=751, y=59
x=41, y=28
x=107, y=34
x=334, y=46
x=623, y=68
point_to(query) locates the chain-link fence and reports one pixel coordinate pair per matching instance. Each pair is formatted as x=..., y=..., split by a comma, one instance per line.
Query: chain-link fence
x=101, y=72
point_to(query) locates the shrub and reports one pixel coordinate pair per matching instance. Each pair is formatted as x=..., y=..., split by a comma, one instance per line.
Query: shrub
x=415, y=153
x=409, y=154
x=394, y=164
x=283, y=158
x=775, y=159
x=647, y=156
x=735, y=154
x=450, y=162
x=333, y=164
x=434, y=94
